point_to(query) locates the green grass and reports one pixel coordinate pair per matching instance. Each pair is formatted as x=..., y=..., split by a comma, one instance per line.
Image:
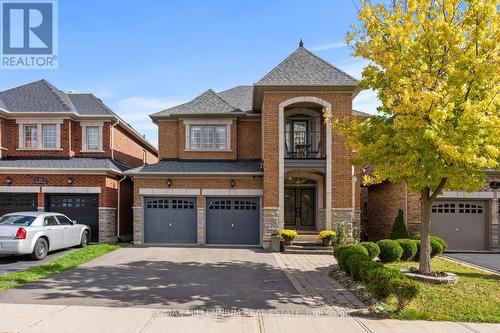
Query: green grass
x=475, y=298
x=55, y=266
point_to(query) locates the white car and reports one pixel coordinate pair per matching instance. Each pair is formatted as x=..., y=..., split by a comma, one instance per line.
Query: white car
x=38, y=233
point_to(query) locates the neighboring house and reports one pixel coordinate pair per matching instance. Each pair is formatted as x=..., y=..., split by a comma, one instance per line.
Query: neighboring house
x=67, y=152
x=466, y=220
x=239, y=164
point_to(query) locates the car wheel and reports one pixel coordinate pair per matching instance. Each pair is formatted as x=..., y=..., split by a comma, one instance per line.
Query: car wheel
x=40, y=250
x=85, y=239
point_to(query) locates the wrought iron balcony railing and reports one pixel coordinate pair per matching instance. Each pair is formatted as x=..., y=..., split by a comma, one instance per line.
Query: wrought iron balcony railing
x=304, y=145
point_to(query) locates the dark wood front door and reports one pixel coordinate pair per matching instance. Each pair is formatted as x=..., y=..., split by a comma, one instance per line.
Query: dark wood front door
x=299, y=207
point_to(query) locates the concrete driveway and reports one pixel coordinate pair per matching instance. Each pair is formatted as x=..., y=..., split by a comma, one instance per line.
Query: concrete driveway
x=172, y=278
x=489, y=261
x=10, y=264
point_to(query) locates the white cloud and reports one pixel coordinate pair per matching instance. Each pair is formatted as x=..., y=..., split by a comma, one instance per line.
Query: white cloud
x=329, y=46
x=366, y=101
x=136, y=111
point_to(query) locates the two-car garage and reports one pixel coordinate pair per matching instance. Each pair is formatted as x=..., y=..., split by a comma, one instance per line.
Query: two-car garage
x=228, y=220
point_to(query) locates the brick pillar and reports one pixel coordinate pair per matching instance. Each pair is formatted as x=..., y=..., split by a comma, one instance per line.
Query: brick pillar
x=41, y=202
x=137, y=221
x=107, y=225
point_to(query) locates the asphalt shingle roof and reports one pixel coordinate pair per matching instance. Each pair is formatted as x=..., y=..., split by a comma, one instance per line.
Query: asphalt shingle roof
x=302, y=67
x=240, y=97
x=176, y=166
x=42, y=96
x=71, y=163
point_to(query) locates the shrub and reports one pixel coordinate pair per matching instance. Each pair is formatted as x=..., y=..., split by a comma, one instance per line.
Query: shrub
x=438, y=245
x=399, y=227
x=405, y=290
x=378, y=281
x=353, y=264
x=346, y=252
x=416, y=257
x=327, y=234
x=389, y=250
x=341, y=234
x=409, y=248
x=372, y=248
x=365, y=267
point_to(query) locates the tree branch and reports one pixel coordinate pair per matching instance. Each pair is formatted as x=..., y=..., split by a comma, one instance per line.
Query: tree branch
x=438, y=188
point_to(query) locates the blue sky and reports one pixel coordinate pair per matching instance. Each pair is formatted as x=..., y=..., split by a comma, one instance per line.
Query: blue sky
x=142, y=56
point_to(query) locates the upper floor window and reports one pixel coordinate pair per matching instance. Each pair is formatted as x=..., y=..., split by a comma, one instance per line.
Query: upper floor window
x=92, y=137
x=39, y=134
x=208, y=137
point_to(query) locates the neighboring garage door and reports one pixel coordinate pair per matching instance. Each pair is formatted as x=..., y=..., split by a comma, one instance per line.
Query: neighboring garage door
x=170, y=220
x=233, y=221
x=82, y=208
x=462, y=224
x=16, y=202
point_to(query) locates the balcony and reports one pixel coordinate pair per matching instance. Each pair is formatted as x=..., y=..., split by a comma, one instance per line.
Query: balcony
x=304, y=145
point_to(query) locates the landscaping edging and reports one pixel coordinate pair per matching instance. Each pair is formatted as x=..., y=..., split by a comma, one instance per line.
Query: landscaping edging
x=448, y=278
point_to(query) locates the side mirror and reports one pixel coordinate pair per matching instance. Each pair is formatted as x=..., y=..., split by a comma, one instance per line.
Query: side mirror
x=73, y=221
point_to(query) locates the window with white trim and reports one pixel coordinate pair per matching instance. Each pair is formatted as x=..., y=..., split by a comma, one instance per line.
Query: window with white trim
x=208, y=137
x=39, y=134
x=92, y=137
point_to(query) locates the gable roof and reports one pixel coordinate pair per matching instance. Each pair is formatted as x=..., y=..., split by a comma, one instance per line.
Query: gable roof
x=302, y=67
x=207, y=103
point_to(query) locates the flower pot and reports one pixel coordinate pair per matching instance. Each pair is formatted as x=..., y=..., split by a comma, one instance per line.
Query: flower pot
x=275, y=244
x=288, y=241
x=326, y=241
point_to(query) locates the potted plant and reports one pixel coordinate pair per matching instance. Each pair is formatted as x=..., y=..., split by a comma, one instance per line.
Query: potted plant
x=327, y=237
x=275, y=241
x=288, y=235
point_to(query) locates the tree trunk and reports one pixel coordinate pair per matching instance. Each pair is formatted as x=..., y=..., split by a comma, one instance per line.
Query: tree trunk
x=425, y=232
x=426, y=200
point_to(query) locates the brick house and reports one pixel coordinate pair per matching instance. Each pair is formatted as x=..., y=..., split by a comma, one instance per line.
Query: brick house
x=238, y=164
x=67, y=152
x=466, y=220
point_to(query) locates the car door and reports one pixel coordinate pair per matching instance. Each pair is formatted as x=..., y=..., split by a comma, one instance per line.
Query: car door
x=71, y=232
x=54, y=232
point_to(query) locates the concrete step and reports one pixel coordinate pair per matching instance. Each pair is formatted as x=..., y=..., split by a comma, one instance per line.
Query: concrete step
x=308, y=248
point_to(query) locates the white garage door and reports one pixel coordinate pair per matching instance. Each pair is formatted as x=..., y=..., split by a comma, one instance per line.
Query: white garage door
x=462, y=224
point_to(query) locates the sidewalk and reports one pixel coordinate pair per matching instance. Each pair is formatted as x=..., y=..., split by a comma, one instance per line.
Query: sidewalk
x=60, y=318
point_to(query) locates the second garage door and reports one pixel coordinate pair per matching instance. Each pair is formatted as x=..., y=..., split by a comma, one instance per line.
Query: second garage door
x=82, y=208
x=170, y=220
x=462, y=224
x=233, y=221
x=17, y=202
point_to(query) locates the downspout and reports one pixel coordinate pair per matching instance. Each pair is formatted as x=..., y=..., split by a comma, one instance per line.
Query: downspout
x=113, y=139
x=118, y=208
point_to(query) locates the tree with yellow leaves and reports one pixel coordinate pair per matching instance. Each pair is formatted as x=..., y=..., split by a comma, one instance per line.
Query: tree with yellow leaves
x=435, y=67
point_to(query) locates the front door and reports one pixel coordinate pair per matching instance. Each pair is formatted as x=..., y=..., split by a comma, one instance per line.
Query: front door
x=299, y=207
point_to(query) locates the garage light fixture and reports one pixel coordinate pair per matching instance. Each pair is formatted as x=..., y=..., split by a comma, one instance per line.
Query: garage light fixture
x=70, y=181
x=8, y=180
x=232, y=183
x=169, y=182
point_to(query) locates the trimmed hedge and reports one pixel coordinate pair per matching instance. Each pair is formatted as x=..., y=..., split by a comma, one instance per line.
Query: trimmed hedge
x=409, y=248
x=390, y=250
x=372, y=248
x=438, y=245
x=379, y=279
x=416, y=257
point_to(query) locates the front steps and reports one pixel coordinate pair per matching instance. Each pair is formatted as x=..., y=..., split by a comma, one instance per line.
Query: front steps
x=307, y=242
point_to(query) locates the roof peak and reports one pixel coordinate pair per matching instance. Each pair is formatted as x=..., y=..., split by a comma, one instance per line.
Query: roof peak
x=301, y=43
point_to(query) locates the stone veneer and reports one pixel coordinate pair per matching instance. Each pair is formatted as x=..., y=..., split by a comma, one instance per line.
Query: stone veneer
x=137, y=221
x=201, y=226
x=107, y=225
x=270, y=223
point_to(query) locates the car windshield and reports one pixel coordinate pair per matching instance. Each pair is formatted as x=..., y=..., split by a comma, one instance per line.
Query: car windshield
x=17, y=219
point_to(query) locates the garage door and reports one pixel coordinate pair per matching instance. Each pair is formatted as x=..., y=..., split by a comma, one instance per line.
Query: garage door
x=82, y=208
x=17, y=202
x=233, y=221
x=462, y=224
x=170, y=220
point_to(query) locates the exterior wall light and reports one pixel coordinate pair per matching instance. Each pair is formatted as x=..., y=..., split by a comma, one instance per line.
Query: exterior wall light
x=169, y=182
x=70, y=181
x=232, y=183
x=8, y=180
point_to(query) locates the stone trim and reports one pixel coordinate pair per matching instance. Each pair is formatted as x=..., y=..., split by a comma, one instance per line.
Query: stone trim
x=232, y=192
x=20, y=189
x=70, y=189
x=467, y=195
x=169, y=191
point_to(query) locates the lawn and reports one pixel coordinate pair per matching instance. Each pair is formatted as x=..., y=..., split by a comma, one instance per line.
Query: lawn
x=475, y=298
x=55, y=266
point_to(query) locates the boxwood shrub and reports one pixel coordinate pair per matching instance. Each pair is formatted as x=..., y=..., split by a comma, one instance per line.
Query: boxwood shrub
x=354, y=264
x=436, y=249
x=343, y=252
x=409, y=248
x=372, y=248
x=390, y=250
x=416, y=257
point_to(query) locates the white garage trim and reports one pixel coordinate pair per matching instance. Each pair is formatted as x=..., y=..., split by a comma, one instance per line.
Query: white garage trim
x=70, y=189
x=169, y=191
x=467, y=195
x=20, y=189
x=232, y=192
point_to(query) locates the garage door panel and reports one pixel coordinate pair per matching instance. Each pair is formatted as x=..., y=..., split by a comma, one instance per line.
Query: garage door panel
x=233, y=221
x=18, y=202
x=462, y=224
x=170, y=220
x=82, y=208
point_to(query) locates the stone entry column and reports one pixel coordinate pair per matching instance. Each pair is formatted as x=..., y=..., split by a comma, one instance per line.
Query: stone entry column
x=107, y=225
x=137, y=225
